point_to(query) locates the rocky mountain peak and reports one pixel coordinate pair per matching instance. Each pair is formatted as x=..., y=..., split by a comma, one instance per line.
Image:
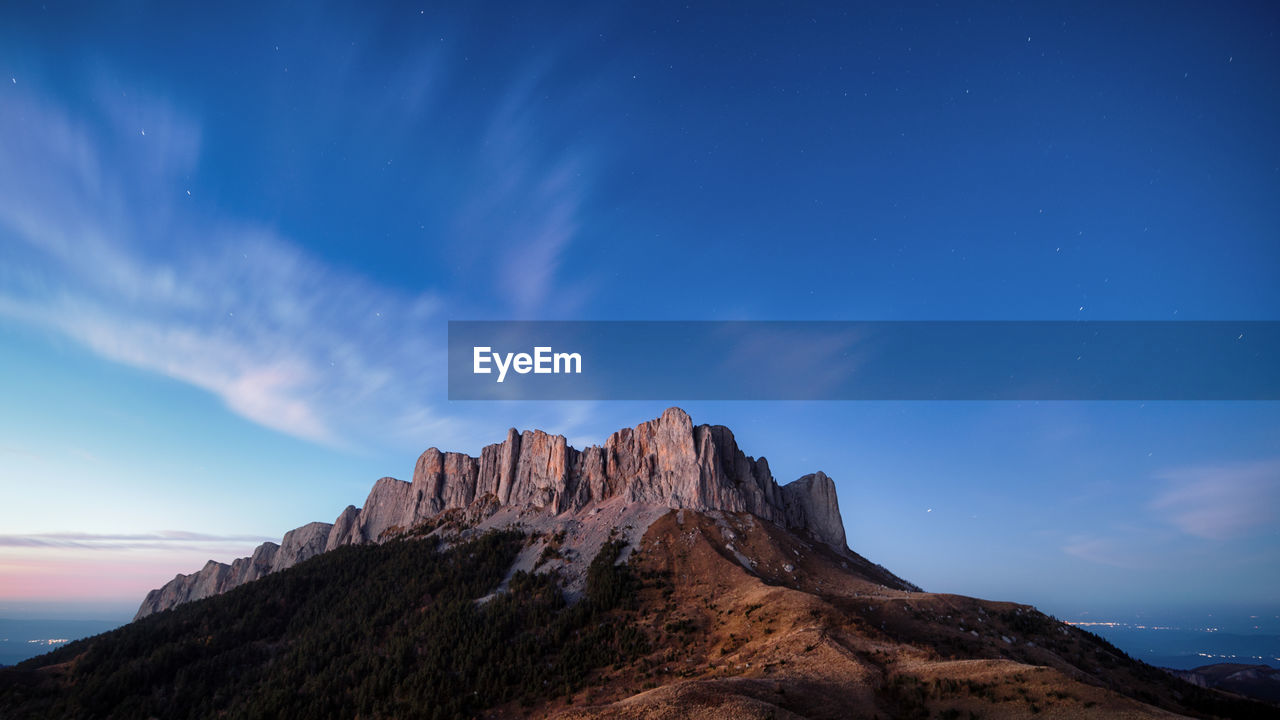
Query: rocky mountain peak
x=665, y=462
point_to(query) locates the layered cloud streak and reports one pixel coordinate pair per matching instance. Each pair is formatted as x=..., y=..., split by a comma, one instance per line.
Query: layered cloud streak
x=111, y=251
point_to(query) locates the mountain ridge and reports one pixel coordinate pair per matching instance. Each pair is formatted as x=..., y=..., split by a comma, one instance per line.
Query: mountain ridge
x=538, y=582
x=667, y=462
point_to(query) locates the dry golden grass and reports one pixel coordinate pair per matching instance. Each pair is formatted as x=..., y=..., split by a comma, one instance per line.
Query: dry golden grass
x=750, y=621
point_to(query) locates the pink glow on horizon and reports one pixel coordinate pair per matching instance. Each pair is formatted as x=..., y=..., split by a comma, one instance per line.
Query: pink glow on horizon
x=99, y=575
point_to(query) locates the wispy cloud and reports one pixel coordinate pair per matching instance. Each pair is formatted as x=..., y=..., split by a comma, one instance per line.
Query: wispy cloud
x=104, y=245
x=167, y=540
x=1217, y=502
x=526, y=208
x=1224, y=502
x=1129, y=548
x=1100, y=550
x=109, y=250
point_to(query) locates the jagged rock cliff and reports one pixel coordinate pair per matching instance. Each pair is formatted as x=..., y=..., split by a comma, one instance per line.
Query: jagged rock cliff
x=215, y=577
x=665, y=462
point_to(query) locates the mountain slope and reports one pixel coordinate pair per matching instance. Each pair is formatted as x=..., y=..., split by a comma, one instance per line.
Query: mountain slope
x=385, y=631
x=793, y=631
x=1261, y=682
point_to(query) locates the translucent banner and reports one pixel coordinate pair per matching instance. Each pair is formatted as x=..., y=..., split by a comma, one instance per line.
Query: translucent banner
x=706, y=360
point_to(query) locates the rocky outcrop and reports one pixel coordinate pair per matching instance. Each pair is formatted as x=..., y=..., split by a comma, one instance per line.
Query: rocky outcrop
x=260, y=563
x=811, y=505
x=301, y=544
x=215, y=577
x=344, y=528
x=665, y=462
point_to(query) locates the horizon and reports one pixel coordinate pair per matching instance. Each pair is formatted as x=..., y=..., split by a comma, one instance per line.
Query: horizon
x=234, y=240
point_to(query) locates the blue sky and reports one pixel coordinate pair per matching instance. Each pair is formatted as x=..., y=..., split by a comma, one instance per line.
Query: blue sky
x=232, y=239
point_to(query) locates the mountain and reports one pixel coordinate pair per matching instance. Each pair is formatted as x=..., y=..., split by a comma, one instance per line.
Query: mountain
x=1256, y=681
x=638, y=472
x=662, y=575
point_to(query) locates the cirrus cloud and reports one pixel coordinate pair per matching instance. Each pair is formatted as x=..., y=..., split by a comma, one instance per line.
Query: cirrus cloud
x=1216, y=502
x=105, y=248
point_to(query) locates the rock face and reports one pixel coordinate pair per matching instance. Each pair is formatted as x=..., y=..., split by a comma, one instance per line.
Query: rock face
x=667, y=462
x=811, y=504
